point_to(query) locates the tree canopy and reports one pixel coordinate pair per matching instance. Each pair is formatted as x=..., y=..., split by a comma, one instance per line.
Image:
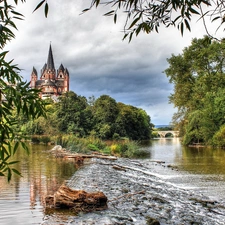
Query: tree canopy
x=15, y=95
x=198, y=75
x=104, y=118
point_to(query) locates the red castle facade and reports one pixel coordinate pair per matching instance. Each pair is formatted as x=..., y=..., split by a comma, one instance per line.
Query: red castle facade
x=52, y=82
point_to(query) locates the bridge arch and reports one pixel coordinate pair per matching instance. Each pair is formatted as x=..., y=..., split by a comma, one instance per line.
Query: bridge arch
x=163, y=133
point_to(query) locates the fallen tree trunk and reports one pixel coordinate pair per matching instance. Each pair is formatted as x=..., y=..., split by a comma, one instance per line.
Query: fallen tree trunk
x=91, y=156
x=77, y=200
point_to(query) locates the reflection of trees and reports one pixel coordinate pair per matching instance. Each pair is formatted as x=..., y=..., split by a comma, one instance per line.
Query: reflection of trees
x=42, y=174
x=203, y=160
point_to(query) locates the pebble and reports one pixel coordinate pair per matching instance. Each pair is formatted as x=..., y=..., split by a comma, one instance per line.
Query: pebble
x=135, y=195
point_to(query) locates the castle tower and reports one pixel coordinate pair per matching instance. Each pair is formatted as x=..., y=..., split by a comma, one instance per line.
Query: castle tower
x=48, y=71
x=50, y=83
x=34, y=77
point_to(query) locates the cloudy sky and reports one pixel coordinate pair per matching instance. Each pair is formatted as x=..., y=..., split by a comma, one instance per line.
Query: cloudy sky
x=90, y=46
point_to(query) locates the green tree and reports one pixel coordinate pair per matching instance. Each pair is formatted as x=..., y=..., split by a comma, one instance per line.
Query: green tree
x=73, y=114
x=16, y=97
x=105, y=111
x=199, y=84
x=133, y=123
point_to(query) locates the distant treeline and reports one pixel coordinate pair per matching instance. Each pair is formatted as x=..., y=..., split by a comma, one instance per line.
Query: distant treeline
x=102, y=117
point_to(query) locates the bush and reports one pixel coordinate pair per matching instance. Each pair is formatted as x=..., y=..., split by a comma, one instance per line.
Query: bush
x=219, y=138
x=115, y=149
x=45, y=139
x=35, y=140
x=93, y=147
x=122, y=148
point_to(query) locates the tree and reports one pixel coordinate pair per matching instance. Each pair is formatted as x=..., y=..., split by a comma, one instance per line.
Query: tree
x=15, y=95
x=198, y=76
x=133, y=123
x=147, y=16
x=105, y=111
x=74, y=114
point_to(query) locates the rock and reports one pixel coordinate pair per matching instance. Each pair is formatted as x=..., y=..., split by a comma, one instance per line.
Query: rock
x=56, y=148
x=151, y=221
x=77, y=200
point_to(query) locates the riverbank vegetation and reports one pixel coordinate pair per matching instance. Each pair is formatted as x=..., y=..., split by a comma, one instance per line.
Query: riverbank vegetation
x=198, y=76
x=102, y=118
x=120, y=148
x=83, y=125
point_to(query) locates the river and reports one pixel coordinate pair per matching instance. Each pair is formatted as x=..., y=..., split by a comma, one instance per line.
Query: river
x=181, y=186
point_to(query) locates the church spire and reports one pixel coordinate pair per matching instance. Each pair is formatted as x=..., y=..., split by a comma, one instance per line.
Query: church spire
x=50, y=62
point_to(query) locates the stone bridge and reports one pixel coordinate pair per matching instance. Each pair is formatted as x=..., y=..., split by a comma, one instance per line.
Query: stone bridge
x=163, y=133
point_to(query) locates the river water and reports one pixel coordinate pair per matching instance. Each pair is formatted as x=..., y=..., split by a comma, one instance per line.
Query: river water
x=180, y=185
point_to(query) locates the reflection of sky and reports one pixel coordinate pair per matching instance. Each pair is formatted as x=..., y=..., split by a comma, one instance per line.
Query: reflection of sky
x=201, y=169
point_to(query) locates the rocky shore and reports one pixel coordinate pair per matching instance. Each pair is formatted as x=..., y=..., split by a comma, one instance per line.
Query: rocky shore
x=136, y=196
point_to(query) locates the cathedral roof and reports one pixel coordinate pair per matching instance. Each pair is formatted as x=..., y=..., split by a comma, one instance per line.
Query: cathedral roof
x=61, y=67
x=34, y=71
x=50, y=62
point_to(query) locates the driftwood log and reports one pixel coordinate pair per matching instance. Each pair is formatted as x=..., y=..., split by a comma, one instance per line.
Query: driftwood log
x=77, y=200
x=60, y=152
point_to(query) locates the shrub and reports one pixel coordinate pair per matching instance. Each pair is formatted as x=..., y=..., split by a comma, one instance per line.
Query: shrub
x=219, y=137
x=35, y=140
x=93, y=147
x=115, y=149
x=45, y=139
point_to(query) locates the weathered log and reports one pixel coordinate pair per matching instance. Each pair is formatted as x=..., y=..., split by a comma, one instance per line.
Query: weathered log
x=91, y=156
x=77, y=200
x=116, y=167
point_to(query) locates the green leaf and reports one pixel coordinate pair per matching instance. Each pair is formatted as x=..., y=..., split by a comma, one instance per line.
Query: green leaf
x=216, y=18
x=9, y=174
x=46, y=10
x=109, y=13
x=17, y=13
x=39, y=5
x=16, y=172
x=134, y=22
x=85, y=10
x=187, y=25
x=115, y=18
x=25, y=147
x=97, y=2
x=13, y=162
x=194, y=11
x=182, y=28
x=15, y=147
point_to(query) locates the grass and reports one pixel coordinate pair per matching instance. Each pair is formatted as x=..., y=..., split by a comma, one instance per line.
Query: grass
x=121, y=148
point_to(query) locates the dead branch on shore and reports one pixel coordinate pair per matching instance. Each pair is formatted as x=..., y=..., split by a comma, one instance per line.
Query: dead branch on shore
x=77, y=200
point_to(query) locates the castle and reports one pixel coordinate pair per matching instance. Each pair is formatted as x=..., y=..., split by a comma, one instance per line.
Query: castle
x=52, y=83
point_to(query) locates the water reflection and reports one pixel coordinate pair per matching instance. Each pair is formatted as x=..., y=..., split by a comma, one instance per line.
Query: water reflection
x=23, y=198
x=203, y=160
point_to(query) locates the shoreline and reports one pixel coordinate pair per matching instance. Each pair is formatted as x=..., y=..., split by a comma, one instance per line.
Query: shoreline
x=136, y=194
